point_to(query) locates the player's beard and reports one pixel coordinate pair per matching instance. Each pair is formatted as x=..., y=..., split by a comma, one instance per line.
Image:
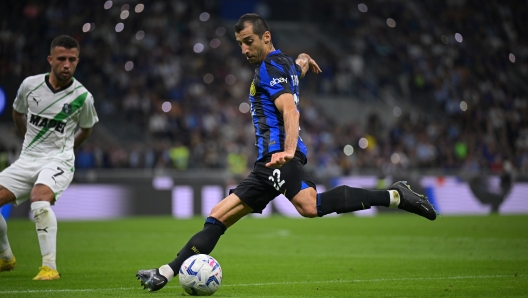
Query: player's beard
x=61, y=77
x=257, y=57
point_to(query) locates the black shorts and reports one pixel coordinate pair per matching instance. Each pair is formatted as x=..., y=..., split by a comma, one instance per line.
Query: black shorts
x=264, y=184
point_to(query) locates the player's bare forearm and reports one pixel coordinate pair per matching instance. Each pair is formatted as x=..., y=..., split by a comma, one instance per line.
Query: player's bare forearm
x=80, y=136
x=306, y=63
x=20, y=122
x=302, y=60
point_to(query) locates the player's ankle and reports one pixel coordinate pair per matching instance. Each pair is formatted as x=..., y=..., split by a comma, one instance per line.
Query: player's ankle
x=7, y=254
x=166, y=271
x=394, y=198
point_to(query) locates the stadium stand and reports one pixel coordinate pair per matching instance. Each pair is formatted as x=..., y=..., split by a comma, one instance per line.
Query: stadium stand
x=428, y=84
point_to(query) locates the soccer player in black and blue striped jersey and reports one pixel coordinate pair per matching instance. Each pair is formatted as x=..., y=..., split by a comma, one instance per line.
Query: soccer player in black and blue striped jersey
x=279, y=168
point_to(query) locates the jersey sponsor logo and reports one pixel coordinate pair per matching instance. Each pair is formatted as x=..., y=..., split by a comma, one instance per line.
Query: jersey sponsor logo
x=275, y=81
x=39, y=121
x=67, y=108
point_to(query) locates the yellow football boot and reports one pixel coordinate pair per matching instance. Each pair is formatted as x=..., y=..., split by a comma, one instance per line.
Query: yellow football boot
x=46, y=273
x=7, y=265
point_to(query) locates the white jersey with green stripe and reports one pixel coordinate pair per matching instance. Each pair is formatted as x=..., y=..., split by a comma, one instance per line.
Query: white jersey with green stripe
x=53, y=116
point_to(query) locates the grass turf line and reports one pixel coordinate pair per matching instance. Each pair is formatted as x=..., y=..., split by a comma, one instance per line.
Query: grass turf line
x=384, y=256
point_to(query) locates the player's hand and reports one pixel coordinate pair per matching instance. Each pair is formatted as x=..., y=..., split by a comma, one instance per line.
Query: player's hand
x=313, y=66
x=278, y=159
x=307, y=63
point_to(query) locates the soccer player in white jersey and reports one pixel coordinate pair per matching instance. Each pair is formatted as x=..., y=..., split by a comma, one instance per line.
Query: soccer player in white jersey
x=47, y=110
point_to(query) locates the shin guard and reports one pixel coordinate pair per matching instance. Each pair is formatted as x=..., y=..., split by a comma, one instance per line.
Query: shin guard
x=202, y=242
x=46, y=225
x=342, y=199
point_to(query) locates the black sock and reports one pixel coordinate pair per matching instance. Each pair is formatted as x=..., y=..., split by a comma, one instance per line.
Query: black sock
x=343, y=199
x=202, y=242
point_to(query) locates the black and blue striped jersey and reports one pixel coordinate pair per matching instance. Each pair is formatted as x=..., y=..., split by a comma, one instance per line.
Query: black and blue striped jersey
x=276, y=75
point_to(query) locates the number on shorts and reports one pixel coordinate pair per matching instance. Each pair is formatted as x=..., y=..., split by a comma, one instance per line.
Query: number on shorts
x=61, y=171
x=277, y=182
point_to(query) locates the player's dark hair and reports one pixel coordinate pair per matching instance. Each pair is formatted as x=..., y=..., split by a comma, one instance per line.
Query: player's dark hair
x=259, y=25
x=64, y=41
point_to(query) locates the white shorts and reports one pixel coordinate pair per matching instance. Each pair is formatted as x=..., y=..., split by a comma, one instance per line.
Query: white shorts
x=23, y=174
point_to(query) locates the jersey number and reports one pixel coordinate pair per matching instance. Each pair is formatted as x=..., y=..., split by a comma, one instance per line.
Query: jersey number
x=275, y=177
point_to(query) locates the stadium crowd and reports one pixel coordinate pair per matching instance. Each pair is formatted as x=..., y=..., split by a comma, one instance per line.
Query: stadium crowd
x=173, y=76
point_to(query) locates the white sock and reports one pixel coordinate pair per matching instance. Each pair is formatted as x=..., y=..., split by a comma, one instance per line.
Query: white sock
x=394, y=198
x=166, y=271
x=5, y=249
x=46, y=224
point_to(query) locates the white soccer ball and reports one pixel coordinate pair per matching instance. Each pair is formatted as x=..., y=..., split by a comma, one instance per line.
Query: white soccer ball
x=200, y=275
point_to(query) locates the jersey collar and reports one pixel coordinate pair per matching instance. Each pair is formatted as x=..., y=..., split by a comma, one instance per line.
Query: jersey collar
x=274, y=52
x=46, y=79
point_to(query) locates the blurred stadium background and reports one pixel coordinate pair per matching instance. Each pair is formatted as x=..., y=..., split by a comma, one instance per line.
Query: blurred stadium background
x=434, y=92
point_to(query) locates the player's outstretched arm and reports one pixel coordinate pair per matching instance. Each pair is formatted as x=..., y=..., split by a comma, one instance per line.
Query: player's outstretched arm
x=20, y=122
x=306, y=63
x=81, y=135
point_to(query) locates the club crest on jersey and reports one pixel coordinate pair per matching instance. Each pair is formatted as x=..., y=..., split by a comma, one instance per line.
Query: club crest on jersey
x=252, y=89
x=67, y=109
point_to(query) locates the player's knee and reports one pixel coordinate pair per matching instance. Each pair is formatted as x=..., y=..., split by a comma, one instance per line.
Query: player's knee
x=6, y=196
x=305, y=203
x=3, y=200
x=42, y=192
x=307, y=211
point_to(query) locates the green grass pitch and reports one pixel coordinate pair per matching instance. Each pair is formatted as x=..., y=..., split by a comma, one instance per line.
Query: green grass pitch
x=392, y=255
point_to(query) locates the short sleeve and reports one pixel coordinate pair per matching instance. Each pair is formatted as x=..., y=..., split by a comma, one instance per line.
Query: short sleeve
x=276, y=81
x=298, y=69
x=88, y=115
x=20, y=104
